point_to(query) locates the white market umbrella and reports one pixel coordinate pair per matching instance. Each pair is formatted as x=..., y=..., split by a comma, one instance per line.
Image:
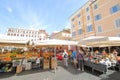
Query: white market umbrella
x=12, y=41
x=54, y=42
x=96, y=41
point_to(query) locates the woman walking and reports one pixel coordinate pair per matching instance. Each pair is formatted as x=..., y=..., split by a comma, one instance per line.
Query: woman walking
x=80, y=59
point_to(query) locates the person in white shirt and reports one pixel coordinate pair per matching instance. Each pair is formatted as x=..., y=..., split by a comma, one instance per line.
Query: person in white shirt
x=65, y=58
x=38, y=62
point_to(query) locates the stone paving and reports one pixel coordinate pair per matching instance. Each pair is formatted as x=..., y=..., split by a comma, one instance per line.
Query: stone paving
x=61, y=73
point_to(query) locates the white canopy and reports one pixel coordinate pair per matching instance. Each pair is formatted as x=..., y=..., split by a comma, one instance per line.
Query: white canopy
x=101, y=41
x=12, y=41
x=55, y=42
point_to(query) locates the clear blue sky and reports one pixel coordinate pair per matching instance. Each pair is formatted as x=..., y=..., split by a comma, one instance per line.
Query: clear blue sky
x=51, y=15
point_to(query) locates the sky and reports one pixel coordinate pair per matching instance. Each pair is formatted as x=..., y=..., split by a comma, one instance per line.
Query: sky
x=50, y=15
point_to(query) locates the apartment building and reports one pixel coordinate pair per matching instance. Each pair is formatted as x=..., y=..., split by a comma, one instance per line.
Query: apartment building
x=96, y=18
x=65, y=34
x=32, y=35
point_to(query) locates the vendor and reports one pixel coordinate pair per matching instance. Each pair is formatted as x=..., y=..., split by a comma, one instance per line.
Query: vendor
x=104, y=54
x=115, y=53
x=97, y=52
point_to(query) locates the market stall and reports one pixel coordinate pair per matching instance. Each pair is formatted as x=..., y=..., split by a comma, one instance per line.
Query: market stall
x=53, y=43
x=107, y=60
x=40, y=55
x=10, y=46
x=99, y=67
x=101, y=41
x=12, y=41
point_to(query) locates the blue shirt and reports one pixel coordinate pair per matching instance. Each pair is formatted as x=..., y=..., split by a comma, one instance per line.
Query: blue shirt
x=74, y=54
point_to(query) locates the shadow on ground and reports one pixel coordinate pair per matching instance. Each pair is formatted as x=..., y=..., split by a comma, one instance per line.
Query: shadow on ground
x=6, y=75
x=113, y=76
x=74, y=71
x=70, y=69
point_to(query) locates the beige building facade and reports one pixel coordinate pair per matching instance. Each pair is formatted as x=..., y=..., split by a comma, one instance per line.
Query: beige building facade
x=65, y=34
x=96, y=18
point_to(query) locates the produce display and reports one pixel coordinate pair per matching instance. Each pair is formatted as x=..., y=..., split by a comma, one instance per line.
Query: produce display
x=6, y=67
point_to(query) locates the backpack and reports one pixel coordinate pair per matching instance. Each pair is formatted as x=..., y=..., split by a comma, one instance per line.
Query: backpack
x=65, y=55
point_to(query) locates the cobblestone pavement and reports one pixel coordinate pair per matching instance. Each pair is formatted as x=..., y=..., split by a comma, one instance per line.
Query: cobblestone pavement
x=61, y=73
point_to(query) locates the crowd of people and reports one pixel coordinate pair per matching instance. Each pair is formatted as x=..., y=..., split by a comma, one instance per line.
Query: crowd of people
x=79, y=55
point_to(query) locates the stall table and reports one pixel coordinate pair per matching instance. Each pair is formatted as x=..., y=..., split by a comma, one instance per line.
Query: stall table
x=94, y=66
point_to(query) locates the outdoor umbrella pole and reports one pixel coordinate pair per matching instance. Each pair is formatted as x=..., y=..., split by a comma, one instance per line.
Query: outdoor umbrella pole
x=109, y=48
x=55, y=57
x=55, y=51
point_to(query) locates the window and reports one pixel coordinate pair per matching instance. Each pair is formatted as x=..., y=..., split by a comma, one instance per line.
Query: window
x=88, y=17
x=73, y=19
x=80, y=31
x=8, y=34
x=114, y=9
x=79, y=22
x=73, y=26
x=87, y=9
x=117, y=23
x=73, y=34
x=63, y=34
x=97, y=17
x=95, y=6
x=9, y=30
x=14, y=34
x=99, y=28
x=119, y=35
x=89, y=28
x=78, y=15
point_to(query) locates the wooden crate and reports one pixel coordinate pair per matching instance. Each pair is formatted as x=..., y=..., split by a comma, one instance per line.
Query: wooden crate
x=46, y=64
x=19, y=69
x=53, y=63
x=28, y=66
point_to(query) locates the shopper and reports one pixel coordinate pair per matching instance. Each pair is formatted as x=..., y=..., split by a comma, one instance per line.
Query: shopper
x=74, y=54
x=65, y=58
x=38, y=62
x=80, y=59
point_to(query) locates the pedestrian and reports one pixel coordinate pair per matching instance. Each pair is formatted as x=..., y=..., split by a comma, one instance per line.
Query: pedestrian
x=38, y=62
x=80, y=59
x=74, y=53
x=65, y=58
